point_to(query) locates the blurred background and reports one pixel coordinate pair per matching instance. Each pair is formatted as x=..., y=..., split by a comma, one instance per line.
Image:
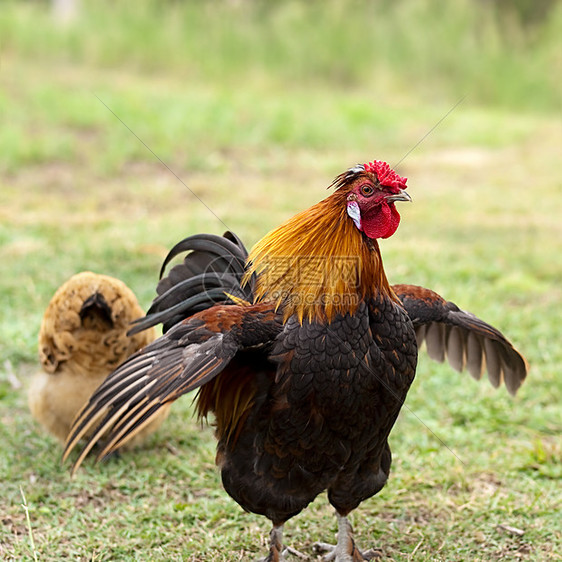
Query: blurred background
x=126, y=126
x=252, y=104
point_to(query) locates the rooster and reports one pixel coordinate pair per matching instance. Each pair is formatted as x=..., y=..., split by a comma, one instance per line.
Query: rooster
x=303, y=352
x=83, y=337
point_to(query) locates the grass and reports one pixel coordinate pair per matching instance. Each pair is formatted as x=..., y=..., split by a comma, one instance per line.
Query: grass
x=257, y=131
x=471, y=48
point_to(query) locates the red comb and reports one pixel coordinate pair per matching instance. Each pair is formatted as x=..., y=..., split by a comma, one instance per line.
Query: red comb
x=386, y=175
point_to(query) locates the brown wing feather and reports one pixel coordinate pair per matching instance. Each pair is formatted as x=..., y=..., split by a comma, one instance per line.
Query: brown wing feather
x=143, y=385
x=462, y=338
x=188, y=356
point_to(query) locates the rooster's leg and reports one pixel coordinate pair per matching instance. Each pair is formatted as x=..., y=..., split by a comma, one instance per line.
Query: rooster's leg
x=276, y=550
x=275, y=545
x=345, y=550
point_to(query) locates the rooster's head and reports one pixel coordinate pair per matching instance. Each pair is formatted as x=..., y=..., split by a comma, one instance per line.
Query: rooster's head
x=372, y=189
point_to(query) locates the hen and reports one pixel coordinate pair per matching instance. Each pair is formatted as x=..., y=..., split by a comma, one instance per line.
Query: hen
x=83, y=337
x=302, y=351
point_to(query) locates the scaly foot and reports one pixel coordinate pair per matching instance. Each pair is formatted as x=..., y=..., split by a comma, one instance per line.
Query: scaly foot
x=345, y=550
x=276, y=550
x=331, y=555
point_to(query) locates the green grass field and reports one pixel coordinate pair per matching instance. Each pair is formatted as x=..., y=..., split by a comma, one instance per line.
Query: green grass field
x=255, y=110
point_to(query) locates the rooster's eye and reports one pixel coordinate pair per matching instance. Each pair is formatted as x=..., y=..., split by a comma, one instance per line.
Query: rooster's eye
x=367, y=190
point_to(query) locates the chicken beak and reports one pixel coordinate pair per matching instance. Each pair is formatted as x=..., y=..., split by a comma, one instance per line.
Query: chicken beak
x=402, y=195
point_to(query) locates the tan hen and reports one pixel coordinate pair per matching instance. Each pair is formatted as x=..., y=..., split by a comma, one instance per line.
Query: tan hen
x=83, y=338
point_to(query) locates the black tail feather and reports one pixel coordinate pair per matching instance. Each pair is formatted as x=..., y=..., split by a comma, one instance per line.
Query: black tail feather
x=212, y=269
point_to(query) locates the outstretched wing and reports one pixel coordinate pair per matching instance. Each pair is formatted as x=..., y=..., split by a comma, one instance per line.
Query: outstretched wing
x=189, y=355
x=462, y=338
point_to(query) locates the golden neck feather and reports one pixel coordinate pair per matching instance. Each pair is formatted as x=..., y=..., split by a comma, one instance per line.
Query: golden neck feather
x=318, y=264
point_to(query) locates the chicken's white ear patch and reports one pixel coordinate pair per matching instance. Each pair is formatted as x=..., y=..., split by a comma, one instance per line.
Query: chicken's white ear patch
x=354, y=212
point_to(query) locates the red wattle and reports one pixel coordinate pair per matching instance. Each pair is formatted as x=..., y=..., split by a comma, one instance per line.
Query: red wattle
x=382, y=222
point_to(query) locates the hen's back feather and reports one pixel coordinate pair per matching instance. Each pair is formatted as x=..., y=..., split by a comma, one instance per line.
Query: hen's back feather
x=83, y=337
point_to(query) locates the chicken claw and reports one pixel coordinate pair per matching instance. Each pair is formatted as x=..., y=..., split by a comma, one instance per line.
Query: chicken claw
x=345, y=550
